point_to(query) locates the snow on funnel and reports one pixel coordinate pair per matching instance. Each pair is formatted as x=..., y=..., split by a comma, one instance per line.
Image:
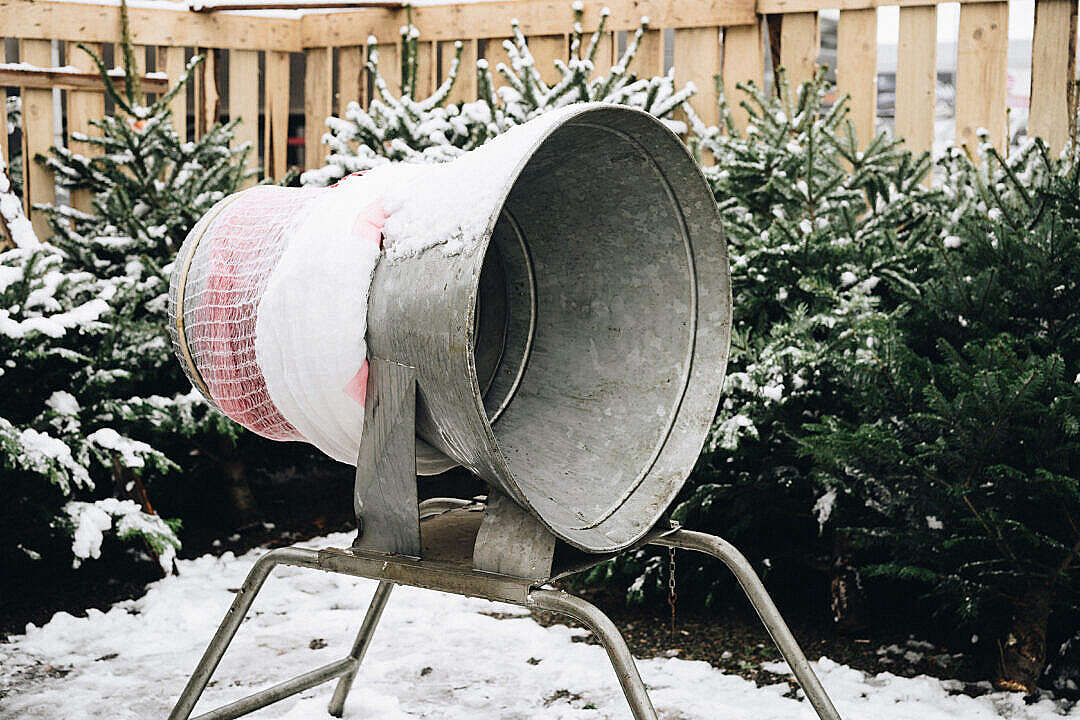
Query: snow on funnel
x=561, y=293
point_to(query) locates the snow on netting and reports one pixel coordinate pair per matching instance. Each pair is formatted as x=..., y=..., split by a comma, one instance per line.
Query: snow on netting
x=268, y=310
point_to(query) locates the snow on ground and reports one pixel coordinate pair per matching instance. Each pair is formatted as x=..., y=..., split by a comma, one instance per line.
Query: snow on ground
x=433, y=656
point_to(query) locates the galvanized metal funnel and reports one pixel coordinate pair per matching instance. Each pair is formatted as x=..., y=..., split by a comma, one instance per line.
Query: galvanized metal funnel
x=572, y=354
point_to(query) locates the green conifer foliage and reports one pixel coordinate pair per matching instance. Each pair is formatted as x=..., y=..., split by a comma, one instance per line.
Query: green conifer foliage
x=399, y=127
x=968, y=449
x=819, y=232
x=57, y=440
x=100, y=409
x=149, y=185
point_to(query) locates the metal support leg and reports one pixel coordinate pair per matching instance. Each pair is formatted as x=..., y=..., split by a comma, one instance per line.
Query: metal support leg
x=360, y=646
x=609, y=636
x=766, y=610
x=225, y=632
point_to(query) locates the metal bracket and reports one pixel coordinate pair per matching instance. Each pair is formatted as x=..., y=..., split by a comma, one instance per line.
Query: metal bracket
x=512, y=542
x=385, y=495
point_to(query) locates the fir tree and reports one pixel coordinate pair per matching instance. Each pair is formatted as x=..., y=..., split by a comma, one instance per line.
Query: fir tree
x=968, y=448
x=123, y=410
x=56, y=443
x=400, y=127
x=149, y=186
x=526, y=95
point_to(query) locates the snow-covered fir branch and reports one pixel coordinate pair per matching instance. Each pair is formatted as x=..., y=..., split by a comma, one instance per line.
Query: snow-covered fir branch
x=397, y=127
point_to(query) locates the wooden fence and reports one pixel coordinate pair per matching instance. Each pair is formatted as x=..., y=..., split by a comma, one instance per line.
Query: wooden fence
x=729, y=37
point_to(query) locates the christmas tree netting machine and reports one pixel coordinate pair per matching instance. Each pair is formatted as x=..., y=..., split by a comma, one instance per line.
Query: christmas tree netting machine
x=551, y=312
x=562, y=294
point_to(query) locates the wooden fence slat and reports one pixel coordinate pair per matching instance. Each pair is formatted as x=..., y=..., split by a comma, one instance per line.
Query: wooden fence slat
x=244, y=102
x=546, y=49
x=49, y=79
x=139, y=51
x=800, y=43
x=350, y=78
x=170, y=60
x=425, y=69
x=276, y=127
x=791, y=6
x=916, y=77
x=605, y=52
x=648, y=61
x=981, y=73
x=37, y=126
x=82, y=107
x=45, y=19
x=744, y=56
x=464, y=89
x=390, y=65
x=206, y=93
x=856, y=68
x=5, y=156
x=318, y=104
x=697, y=60
x=536, y=17
x=495, y=53
x=1053, y=64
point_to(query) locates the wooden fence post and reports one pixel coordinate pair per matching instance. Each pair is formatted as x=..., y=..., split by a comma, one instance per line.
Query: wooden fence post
x=916, y=77
x=981, y=73
x=206, y=94
x=697, y=60
x=856, y=68
x=170, y=60
x=464, y=89
x=495, y=53
x=38, y=124
x=425, y=69
x=5, y=156
x=744, y=60
x=276, y=127
x=800, y=43
x=318, y=103
x=546, y=49
x=605, y=52
x=82, y=107
x=351, y=74
x=244, y=102
x=649, y=59
x=1053, y=66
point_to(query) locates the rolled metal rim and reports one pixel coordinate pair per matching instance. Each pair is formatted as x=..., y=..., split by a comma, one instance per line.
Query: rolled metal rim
x=638, y=509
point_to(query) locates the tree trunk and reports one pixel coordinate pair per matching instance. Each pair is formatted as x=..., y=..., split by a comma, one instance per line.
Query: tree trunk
x=241, y=497
x=845, y=587
x=1023, y=649
x=128, y=483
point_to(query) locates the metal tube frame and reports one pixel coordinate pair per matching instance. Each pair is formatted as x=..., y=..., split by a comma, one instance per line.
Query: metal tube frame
x=551, y=600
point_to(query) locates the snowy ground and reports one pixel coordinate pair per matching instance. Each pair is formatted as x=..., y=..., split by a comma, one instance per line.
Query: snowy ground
x=434, y=655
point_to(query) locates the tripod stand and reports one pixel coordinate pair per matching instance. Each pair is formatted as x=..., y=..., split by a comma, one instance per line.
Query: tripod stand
x=447, y=529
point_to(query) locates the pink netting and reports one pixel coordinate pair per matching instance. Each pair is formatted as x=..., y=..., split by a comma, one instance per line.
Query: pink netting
x=226, y=280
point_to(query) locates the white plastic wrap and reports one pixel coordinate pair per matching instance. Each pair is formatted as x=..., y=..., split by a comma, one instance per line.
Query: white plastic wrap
x=269, y=310
x=269, y=293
